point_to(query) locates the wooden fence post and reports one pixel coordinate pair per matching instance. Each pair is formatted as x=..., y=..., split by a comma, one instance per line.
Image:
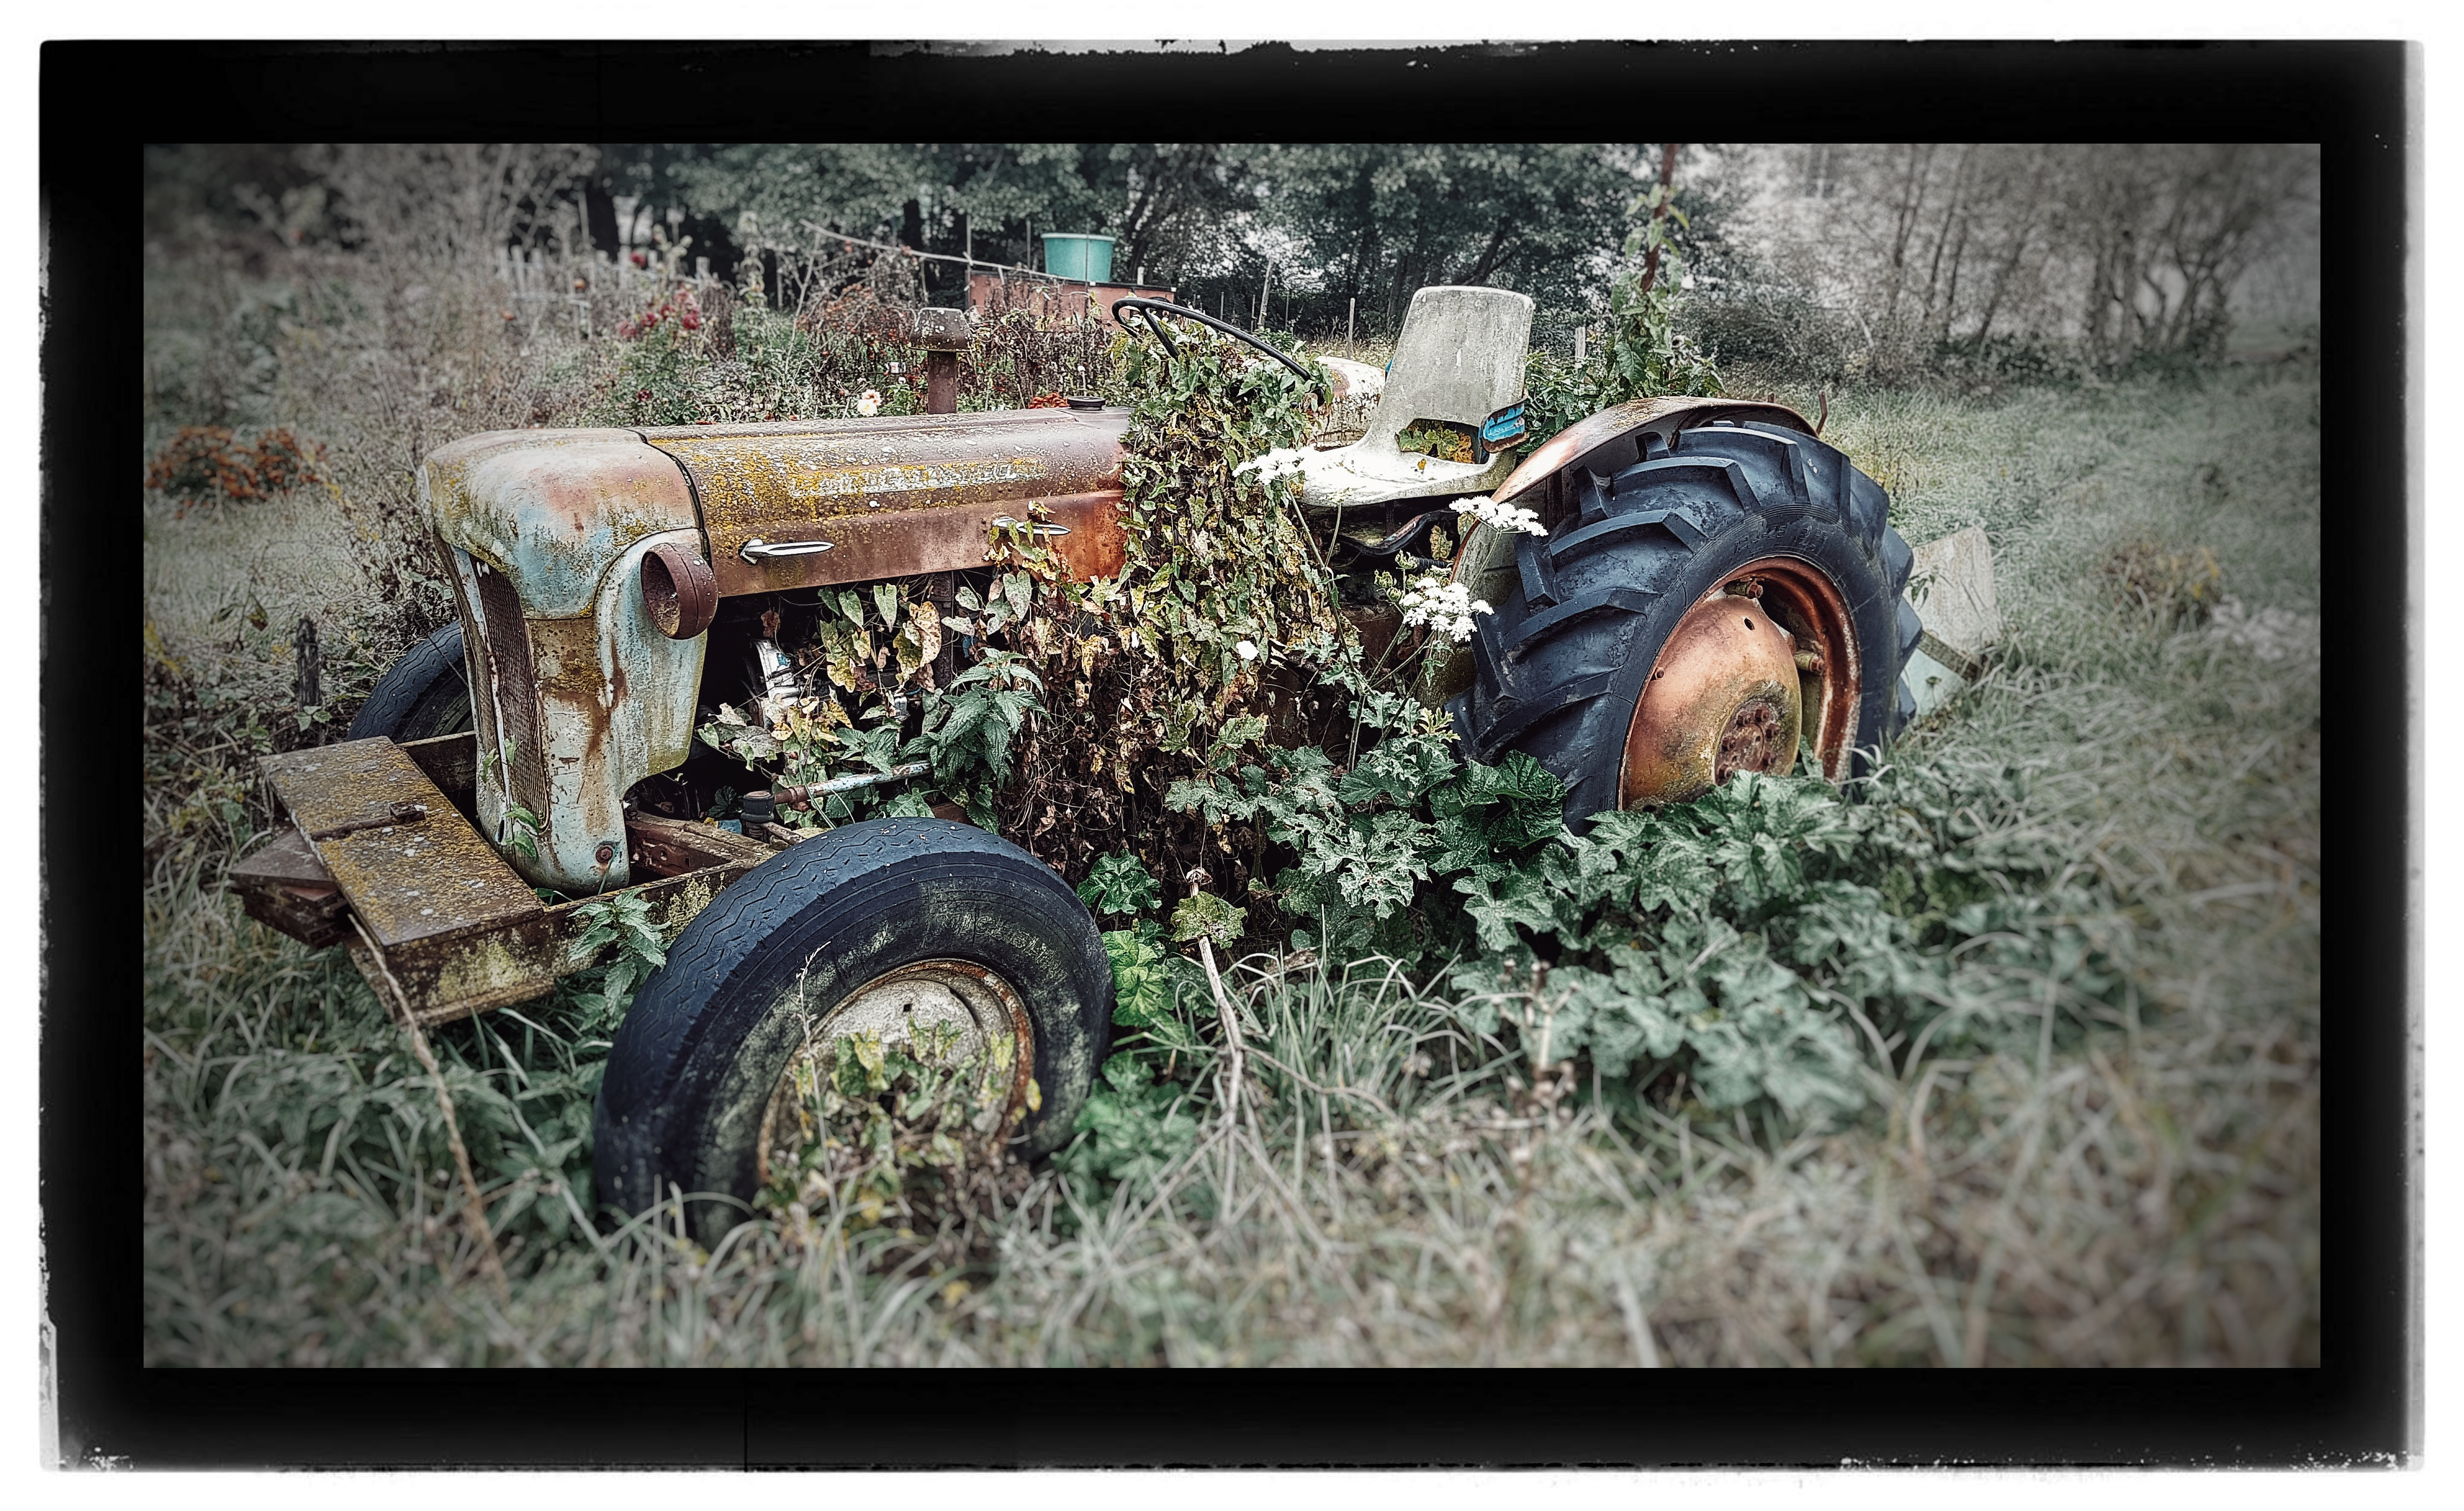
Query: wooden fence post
x=308, y=690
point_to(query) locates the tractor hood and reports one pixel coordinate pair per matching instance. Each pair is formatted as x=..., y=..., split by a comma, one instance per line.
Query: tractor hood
x=849, y=500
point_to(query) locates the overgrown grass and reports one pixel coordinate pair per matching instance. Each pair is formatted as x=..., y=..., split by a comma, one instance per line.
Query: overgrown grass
x=1390, y=1185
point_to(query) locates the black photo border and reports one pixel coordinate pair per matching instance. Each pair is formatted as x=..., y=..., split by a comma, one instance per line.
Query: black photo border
x=2349, y=97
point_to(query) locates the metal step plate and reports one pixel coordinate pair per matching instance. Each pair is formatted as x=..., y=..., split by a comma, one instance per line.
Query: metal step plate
x=450, y=920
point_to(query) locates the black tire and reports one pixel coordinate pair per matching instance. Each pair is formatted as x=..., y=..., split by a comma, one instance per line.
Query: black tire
x=713, y=1031
x=425, y=694
x=1559, y=666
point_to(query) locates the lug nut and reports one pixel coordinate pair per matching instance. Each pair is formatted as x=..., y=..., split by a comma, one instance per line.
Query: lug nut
x=606, y=854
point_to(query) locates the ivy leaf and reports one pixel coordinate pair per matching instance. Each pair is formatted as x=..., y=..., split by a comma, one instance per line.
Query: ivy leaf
x=1120, y=883
x=1143, y=995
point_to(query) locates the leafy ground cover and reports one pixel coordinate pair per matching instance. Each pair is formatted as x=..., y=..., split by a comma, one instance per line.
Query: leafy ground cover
x=2007, y=1059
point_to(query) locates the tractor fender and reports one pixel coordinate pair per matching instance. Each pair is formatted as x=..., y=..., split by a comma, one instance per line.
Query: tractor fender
x=1612, y=439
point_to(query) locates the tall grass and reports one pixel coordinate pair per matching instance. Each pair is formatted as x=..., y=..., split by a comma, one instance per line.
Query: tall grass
x=1389, y=1185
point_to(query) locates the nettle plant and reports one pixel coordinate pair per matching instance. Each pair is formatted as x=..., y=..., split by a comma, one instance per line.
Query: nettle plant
x=1640, y=353
x=1750, y=939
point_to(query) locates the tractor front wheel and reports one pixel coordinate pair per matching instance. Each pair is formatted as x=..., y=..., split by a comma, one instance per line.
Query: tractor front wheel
x=425, y=694
x=888, y=927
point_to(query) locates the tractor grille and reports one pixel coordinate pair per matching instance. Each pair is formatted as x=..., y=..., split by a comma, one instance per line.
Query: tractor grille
x=503, y=642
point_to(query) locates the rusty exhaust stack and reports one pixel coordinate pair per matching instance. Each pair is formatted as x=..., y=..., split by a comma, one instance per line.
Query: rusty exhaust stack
x=943, y=334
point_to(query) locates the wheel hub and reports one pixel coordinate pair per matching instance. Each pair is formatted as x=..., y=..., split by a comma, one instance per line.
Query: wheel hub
x=1722, y=698
x=985, y=1011
x=1756, y=739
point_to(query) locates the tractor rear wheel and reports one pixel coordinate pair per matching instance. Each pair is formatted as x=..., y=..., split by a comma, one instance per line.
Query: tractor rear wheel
x=425, y=694
x=1718, y=607
x=886, y=926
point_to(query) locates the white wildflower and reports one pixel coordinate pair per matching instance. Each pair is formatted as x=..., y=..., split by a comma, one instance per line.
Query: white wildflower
x=1443, y=605
x=1508, y=517
x=869, y=403
x=1278, y=464
x=1246, y=649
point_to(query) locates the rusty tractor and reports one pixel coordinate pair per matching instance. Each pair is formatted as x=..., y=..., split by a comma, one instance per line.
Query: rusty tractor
x=1683, y=589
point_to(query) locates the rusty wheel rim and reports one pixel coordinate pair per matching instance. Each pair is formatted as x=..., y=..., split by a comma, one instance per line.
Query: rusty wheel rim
x=985, y=1009
x=1761, y=666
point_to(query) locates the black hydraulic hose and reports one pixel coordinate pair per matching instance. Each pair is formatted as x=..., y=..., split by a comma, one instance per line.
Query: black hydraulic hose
x=1146, y=310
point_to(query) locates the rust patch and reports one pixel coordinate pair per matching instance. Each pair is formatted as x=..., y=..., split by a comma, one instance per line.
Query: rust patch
x=284, y=887
x=1775, y=637
x=953, y=538
x=505, y=697
x=663, y=847
x=462, y=977
x=894, y=496
x=1377, y=625
x=405, y=814
x=1722, y=698
x=941, y=382
x=678, y=591
x=452, y=761
x=1828, y=671
x=1759, y=737
x=496, y=950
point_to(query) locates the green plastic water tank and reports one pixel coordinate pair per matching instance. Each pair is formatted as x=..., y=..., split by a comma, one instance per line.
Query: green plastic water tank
x=1080, y=259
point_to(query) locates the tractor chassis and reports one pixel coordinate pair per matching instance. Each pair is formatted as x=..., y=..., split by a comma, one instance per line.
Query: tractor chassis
x=382, y=857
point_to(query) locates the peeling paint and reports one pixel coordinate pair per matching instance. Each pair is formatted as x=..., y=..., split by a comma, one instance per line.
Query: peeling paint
x=552, y=509
x=614, y=703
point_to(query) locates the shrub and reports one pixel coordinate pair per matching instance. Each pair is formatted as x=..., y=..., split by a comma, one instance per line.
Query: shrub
x=211, y=466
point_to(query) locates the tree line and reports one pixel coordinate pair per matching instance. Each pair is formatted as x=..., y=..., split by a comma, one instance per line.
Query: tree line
x=1821, y=262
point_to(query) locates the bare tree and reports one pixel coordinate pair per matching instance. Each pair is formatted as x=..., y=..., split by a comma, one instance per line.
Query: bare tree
x=455, y=200
x=2107, y=252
